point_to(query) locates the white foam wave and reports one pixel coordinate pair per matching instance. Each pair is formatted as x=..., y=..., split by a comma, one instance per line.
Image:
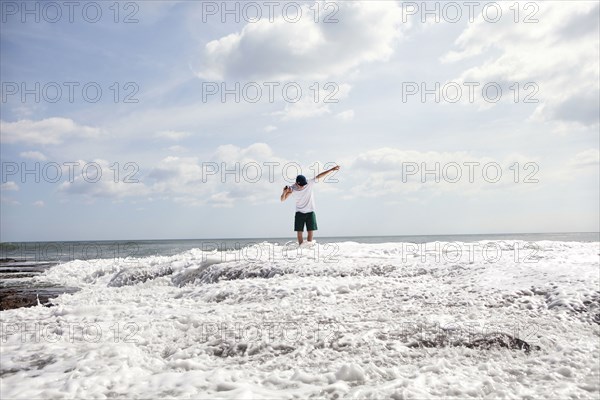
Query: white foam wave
x=356, y=320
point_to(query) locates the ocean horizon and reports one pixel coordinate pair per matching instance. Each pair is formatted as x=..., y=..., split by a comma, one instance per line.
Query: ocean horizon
x=69, y=250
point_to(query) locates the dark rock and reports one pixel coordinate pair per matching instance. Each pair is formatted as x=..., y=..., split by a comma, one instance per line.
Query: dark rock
x=485, y=342
x=29, y=297
x=16, y=299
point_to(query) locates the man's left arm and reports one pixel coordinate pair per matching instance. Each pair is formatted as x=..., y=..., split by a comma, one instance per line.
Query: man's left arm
x=324, y=173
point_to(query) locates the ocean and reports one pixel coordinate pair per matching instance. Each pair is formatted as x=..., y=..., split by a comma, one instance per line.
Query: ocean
x=62, y=251
x=459, y=316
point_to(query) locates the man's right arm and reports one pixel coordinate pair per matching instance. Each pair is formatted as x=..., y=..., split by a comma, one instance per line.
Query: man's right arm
x=287, y=191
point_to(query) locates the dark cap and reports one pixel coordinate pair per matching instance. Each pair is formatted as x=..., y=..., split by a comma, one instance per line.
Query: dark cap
x=301, y=180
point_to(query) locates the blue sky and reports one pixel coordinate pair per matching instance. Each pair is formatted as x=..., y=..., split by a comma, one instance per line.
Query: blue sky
x=368, y=59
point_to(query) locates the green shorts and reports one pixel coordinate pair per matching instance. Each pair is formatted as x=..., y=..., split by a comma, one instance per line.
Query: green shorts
x=310, y=219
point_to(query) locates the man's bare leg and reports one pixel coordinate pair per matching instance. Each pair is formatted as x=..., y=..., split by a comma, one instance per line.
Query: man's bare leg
x=299, y=233
x=310, y=236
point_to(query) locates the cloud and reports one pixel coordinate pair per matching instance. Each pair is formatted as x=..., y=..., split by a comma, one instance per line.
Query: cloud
x=231, y=174
x=254, y=152
x=391, y=171
x=9, y=201
x=305, y=108
x=177, y=149
x=308, y=107
x=9, y=186
x=347, y=115
x=103, y=182
x=33, y=155
x=176, y=175
x=270, y=128
x=559, y=54
x=365, y=32
x=38, y=203
x=254, y=174
x=23, y=111
x=50, y=131
x=172, y=135
x=221, y=199
x=589, y=158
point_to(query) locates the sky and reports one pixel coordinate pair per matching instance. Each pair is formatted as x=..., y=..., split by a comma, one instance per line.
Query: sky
x=185, y=119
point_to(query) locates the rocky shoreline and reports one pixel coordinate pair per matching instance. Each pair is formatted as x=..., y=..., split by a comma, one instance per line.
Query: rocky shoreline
x=18, y=288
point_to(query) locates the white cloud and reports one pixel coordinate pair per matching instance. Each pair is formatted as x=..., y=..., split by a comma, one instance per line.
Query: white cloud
x=255, y=174
x=176, y=175
x=365, y=32
x=38, y=203
x=254, y=152
x=50, y=131
x=10, y=186
x=585, y=159
x=103, y=182
x=177, y=149
x=33, y=155
x=560, y=54
x=270, y=128
x=231, y=174
x=391, y=171
x=9, y=201
x=172, y=135
x=307, y=107
x=347, y=115
x=23, y=111
x=221, y=199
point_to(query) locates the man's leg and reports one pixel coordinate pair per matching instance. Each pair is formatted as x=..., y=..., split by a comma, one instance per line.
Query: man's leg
x=311, y=225
x=299, y=225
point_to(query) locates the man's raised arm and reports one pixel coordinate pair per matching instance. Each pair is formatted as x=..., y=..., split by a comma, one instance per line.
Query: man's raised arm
x=322, y=174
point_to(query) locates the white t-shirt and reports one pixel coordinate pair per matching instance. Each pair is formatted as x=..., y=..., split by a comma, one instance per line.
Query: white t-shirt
x=305, y=201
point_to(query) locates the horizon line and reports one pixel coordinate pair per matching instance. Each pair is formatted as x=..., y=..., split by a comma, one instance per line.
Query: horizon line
x=286, y=237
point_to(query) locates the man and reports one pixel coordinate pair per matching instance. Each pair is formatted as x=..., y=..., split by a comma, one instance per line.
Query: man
x=305, y=203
